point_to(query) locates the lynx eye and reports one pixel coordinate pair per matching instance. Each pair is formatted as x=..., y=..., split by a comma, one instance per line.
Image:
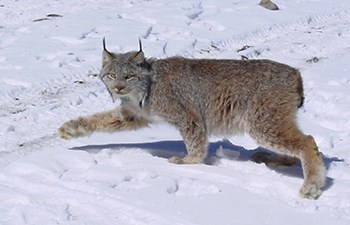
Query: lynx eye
x=130, y=77
x=112, y=76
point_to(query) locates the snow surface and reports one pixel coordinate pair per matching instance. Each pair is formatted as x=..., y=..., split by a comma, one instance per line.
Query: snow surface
x=50, y=53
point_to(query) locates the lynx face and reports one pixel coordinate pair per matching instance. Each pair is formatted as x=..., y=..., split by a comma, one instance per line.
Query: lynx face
x=119, y=76
x=124, y=75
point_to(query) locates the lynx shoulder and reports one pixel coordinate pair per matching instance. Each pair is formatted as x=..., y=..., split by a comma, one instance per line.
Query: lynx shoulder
x=201, y=97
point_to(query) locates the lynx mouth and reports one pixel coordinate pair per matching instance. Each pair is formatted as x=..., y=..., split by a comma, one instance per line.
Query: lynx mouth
x=120, y=92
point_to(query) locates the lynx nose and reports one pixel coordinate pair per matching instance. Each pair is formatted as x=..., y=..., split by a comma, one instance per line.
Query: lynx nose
x=119, y=87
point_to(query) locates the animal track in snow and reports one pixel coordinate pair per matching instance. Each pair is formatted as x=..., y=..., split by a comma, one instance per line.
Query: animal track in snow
x=183, y=187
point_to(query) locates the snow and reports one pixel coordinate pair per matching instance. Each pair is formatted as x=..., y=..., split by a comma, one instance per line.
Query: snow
x=48, y=67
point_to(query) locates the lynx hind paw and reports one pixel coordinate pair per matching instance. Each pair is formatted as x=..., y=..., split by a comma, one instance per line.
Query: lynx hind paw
x=310, y=191
x=72, y=129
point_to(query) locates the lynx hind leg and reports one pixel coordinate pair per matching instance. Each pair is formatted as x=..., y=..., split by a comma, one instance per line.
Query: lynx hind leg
x=292, y=142
x=274, y=160
x=313, y=169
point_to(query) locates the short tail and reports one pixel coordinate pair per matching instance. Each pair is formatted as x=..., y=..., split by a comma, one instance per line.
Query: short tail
x=300, y=90
x=301, y=103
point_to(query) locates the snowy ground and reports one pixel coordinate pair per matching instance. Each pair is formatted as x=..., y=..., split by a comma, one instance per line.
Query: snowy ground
x=50, y=54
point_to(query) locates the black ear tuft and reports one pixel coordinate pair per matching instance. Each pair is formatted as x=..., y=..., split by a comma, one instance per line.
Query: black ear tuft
x=138, y=57
x=140, y=45
x=106, y=55
x=104, y=44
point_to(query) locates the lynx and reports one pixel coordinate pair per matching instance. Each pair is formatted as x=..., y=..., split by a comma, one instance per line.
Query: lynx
x=202, y=97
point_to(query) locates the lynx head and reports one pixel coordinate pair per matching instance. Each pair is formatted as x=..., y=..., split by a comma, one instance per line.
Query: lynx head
x=125, y=75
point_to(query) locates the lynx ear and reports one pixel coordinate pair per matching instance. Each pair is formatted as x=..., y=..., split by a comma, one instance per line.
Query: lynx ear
x=139, y=56
x=106, y=55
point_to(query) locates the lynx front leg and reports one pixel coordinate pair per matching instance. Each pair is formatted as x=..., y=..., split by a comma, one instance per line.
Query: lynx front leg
x=195, y=138
x=111, y=121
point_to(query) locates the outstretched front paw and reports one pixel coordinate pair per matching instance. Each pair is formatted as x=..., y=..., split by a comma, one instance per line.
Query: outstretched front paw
x=73, y=129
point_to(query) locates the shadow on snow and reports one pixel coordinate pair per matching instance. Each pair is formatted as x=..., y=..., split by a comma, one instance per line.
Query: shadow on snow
x=166, y=149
